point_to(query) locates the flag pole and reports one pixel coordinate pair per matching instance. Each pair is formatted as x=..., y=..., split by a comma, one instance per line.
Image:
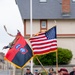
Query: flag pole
x=31, y=30
x=42, y=65
x=56, y=55
x=57, y=62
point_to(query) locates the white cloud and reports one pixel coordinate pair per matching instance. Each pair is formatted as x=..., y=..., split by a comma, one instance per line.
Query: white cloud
x=11, y=18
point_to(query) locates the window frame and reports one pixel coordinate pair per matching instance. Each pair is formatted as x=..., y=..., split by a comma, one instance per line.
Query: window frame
x=43, y=28
x=42, y=1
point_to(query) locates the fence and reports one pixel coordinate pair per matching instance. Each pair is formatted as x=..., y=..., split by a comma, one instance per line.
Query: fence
x=6, y=72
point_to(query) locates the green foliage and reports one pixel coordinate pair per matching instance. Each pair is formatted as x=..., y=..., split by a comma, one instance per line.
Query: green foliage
x=64, y=57
x=44, y=73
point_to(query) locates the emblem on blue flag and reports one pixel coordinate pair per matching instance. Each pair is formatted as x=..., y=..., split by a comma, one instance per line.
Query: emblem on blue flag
x=23, y=50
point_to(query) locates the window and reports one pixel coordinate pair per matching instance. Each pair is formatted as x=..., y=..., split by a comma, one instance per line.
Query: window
x=43, y=0
x=43, y=25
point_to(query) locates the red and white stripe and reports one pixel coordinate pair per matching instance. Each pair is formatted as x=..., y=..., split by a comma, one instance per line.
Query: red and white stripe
x=41, y=45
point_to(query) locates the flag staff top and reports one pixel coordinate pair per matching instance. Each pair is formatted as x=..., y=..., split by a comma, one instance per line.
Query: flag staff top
x=31, y=30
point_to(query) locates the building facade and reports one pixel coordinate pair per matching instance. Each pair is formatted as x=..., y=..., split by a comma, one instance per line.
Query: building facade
x=44, y=14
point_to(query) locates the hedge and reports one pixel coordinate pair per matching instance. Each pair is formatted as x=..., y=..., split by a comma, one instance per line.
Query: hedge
x=64, y=57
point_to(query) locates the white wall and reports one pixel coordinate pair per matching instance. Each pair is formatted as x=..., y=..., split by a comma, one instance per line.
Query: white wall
x=63, y=26
x=35, y=26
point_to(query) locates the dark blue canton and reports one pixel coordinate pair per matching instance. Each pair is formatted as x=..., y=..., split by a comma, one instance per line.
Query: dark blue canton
x=51, y=33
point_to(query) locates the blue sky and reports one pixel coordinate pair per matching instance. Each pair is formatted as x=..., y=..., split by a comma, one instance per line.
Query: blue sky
x=11, y=18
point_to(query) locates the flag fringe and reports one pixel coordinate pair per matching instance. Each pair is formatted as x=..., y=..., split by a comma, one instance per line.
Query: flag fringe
x=17, y=65
x=45, y=53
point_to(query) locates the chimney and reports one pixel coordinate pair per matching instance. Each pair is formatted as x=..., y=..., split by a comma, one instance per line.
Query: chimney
x=65, y=6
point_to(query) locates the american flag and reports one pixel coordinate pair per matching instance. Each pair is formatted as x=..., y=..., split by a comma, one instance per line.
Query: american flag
x=44, y=43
